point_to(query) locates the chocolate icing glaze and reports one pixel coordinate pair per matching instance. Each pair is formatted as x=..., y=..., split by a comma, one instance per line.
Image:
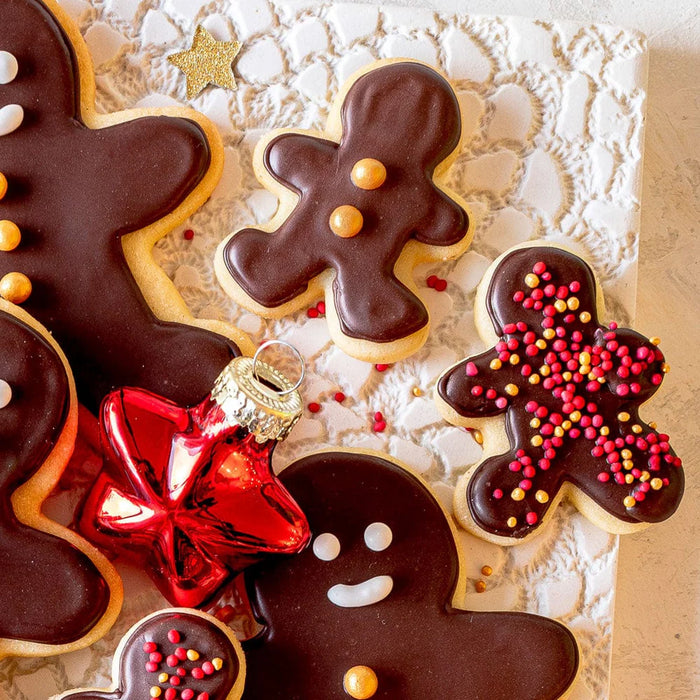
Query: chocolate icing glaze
x=417, y=643
x=134, y=681
x=404, y=115
x=574, y=461
x=74, y=191
x=50, y=592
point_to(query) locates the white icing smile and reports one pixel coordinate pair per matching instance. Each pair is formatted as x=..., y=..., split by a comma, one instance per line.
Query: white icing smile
x=374, y=590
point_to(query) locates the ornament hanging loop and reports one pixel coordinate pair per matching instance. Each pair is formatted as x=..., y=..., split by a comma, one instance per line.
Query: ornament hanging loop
x=266, y=345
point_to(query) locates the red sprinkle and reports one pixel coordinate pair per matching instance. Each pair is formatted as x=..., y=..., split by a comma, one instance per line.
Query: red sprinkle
x=312, y=312
x=188, y=235
x=225, y=613
x=381, y=368
x=379, y=426
x=170, y=694
x=187, y=694
x=339, y=396
x=531, y=518
x=148, y=647
x=321, y=307
x=440, y=285
x=314, y=407
x=208, y=668
x=203, y=696
x=172, y=661
x=152, y=667
x=197, y=673
x=181, y=653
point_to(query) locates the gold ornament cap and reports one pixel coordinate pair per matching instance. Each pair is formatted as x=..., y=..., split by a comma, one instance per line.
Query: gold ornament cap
x=259, y=397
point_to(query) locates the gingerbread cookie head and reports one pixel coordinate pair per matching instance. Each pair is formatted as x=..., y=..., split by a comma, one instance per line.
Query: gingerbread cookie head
x=369, y=604
x=56, y=592
x=77, y=182
x=570, y=389
x=175, y=654
x=361, y=203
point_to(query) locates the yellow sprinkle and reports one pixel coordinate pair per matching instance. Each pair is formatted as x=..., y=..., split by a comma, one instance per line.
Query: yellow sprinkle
x=417, y=391
x=514, y=359
x=536, y=440
x=665, y=367
x=486, y=570
x=605, y=430
x=656, y=483
x=163, y=678
x=192, y=654
x=534, y=379
x=584, y=369
x=495, y=364
x=512, y=522
x=542, y=496
x=584, y=317
x=532, y=280
x=655, y=340
x=627, y=464
x=626, y=454
x=636, y=428
x=575, y=416
x=545, y=371
x=155, y=691
x=629, y=478
x=517, y=494
x=629, y=502
x=591, y=377
x=566, y=425
x=535, y=423
x=560, y=305
x=652, y=425
x=559, y=431
x=572, y=303
x=584, y=358
x=480, y=586
x=478, y=437
x=217, y=663
x=601, y=380
x=549, y=333
x=645, y=476
x=566, y=376
x=623, y=416
x=511, y=390
x=541, y=344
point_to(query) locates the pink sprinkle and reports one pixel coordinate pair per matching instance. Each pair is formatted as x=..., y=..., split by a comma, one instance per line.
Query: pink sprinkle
x=529, y=472
x=622, y=390
x=208, y=668
x=525, y=484
x=174, y=680
x=203, y=696
x=148, y=647
x=518, y=297
x=381, y=368
x=498, y=494
x=477, y=390
x=514, y=466
x=501, y=402
x=187, y=694
x=544, y=464
x=531, y=518
x=604, y=477
x=321, y=307
x=197, y=673
x=510, y=328
x=575, y=286
x=151, y=666
x=539, y=268
x=156, y=656
x=471, y=369
x=188, y=235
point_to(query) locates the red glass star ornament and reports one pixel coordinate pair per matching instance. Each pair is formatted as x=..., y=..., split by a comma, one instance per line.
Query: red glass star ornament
x=188, y=494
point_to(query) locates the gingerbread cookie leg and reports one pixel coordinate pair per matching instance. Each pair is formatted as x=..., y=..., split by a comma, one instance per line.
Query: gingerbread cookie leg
x=360, y=205
x=93, y=179
x=570, y=389
x=57, y=593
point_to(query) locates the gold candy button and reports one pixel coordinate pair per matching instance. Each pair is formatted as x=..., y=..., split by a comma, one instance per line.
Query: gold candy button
x=368, y=174
x=360, y=682
x=346, y=221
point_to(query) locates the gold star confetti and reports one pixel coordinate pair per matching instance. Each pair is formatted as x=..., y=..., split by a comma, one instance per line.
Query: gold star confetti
x=208, y=61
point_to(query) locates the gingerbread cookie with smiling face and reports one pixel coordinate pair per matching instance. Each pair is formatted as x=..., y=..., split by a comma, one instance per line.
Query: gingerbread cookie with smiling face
x=77, y=183
x=174, y=654
x=570, y=389
x=369, y=609
x=360, y=205
x=57, y=593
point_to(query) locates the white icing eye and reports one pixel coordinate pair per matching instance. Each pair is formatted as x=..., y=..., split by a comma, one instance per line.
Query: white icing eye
x=378, y=536
x=8, y=67
x=11, y=117
x=5, y=393
x=326, y=547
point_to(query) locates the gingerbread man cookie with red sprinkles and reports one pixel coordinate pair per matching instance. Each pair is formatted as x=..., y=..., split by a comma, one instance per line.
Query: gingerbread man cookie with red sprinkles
x=174, y=654
x=570, y=390
x=361, y=204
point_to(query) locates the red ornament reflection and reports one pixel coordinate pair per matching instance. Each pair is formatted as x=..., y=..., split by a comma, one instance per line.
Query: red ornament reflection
x=187, y=495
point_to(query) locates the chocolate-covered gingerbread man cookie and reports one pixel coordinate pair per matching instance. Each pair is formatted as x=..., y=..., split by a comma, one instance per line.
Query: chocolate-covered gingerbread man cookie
x=570, y=389
x=57, y=593
x=369, y=609
x=76, y=183
x=360, y=204
x=174, y=654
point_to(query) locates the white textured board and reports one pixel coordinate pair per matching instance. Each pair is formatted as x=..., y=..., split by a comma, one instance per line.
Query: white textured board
x=553, y=122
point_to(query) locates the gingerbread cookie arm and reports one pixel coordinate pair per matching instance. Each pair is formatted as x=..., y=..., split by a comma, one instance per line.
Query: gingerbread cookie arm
x=79, y=590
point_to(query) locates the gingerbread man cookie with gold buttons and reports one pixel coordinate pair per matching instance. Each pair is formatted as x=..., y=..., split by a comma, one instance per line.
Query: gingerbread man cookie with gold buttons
x=361, y=204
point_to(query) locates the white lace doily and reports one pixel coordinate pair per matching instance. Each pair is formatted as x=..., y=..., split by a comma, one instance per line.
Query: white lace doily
x=553, y=121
